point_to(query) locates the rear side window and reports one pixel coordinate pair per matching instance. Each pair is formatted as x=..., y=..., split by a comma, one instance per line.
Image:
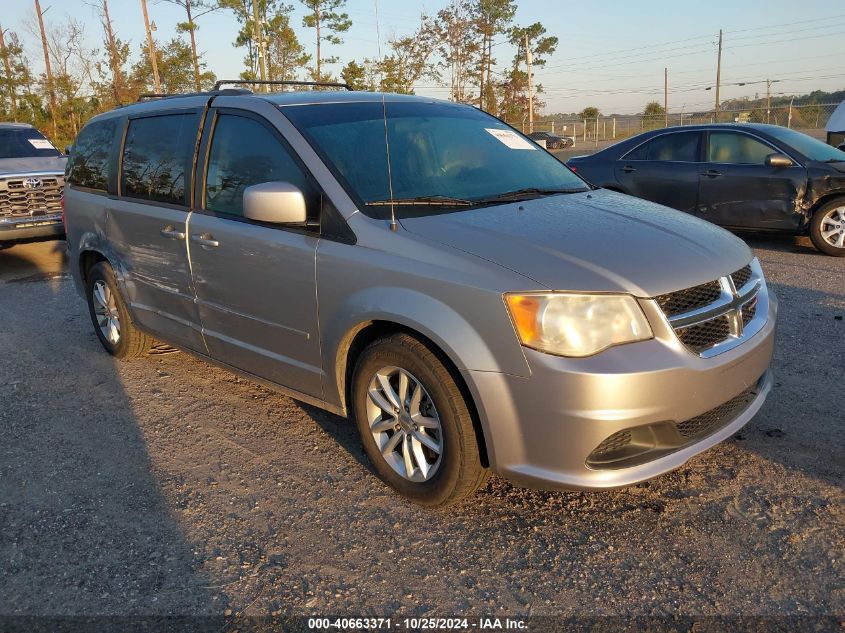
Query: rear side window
x=244, y=153
x=90, y=160
x=678, y=147
x=157, y=157
x=737, y=149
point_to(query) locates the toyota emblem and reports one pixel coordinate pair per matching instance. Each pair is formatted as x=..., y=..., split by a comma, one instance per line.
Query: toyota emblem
x=32, y=183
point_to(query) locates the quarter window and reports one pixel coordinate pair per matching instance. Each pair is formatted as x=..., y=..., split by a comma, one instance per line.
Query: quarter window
x=244, y=153
x=90, y=158
x=157, y=157
x=677, y=147
x=737, y=149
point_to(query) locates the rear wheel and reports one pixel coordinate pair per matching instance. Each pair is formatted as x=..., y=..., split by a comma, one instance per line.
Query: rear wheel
x=827, y=228
x=414, y=422
x=110, y=317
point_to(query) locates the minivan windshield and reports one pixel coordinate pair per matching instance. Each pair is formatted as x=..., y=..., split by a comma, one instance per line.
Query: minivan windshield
x=810, y=147
x=443, y=157
x=25, y=142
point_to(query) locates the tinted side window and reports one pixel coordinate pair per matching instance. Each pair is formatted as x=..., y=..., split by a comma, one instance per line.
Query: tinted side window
x=683, y=147
x=157, y=157
x=737, y=149
x=90, y=158
x=243, y=153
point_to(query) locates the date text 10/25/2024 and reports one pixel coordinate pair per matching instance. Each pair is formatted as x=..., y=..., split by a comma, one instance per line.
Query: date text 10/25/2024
x=416, y=624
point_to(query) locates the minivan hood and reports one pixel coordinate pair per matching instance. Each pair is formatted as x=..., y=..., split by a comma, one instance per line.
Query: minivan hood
x=598, y=241
x=33, y=164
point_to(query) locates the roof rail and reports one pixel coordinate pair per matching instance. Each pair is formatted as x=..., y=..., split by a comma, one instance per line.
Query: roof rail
x=148, y=96
x=267, y=82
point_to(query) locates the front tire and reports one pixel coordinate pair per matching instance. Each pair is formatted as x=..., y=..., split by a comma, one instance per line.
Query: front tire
x=414, y=423
x=827, y=228
x=109, y=315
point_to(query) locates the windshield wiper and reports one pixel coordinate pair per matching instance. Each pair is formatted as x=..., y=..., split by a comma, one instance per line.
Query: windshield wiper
x=438, y=201
x=528, y=192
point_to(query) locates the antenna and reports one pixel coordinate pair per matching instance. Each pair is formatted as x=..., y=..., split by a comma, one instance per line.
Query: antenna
x=393, y=225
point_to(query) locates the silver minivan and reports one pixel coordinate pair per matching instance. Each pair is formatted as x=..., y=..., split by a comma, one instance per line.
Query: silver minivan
x=428, y=271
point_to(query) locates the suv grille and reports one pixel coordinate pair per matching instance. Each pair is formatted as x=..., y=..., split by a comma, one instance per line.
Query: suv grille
x=31, y=195
x=689, y=299
x=706, y=316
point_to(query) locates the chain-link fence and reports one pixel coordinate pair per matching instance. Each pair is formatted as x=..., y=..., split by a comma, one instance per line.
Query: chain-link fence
x=810, y=119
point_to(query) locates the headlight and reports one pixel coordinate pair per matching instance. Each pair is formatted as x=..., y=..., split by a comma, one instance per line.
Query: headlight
x=576, y=324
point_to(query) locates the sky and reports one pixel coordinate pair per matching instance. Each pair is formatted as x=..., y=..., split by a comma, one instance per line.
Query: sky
x=611, y=55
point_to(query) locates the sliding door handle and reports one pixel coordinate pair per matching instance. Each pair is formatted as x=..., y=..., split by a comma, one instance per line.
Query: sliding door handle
x=205, y=239
x=171, y=233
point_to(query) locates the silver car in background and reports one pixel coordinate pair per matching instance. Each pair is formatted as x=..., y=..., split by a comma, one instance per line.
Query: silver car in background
x=32, y=175
x=423, y=268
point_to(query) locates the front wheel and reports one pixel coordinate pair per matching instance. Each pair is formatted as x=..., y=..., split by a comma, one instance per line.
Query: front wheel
x=414, y=422
x=827, y=228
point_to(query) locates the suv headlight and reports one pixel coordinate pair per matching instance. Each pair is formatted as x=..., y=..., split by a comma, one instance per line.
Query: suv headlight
x=576, y=324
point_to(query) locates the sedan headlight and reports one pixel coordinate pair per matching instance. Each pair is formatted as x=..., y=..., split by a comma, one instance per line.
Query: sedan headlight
x=576, y=324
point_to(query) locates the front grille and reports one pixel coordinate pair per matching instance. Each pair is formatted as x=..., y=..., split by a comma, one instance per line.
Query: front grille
x=42, y=197
x=708, y=315
x=703, y=336
x=689, y=299
x=748, y=311
x=741, y=277
x=713, y=420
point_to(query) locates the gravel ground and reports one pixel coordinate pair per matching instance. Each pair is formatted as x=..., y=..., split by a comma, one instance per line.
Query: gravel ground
x=167, y=486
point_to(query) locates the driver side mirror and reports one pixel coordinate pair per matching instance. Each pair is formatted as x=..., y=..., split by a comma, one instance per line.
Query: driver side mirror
x=276, y=202
x=778, y=161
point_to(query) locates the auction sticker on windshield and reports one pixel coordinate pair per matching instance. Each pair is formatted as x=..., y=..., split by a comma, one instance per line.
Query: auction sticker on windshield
x=510, y=138
x=40, y=143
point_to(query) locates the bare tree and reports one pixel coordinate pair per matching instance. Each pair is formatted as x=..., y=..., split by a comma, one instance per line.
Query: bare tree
x=9, y=77
x=50, y=88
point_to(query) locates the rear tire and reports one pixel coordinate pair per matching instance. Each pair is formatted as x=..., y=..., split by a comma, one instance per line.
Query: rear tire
x=109, y=315
x=435, y=464
x=827, y=228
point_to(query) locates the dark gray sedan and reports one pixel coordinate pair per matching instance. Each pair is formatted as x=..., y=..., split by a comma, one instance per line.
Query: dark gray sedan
x=751, y=176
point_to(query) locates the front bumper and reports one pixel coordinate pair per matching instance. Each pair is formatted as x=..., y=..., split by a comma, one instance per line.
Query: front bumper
x=15, y=229
x=542, y=430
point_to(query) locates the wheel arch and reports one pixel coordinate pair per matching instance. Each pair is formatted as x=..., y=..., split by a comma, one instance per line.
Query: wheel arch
x=364, y=333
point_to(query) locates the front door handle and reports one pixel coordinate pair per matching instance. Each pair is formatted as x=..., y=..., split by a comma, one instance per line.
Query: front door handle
x=172, y=233
x=628, y=169
x=712, y=173
x=205, y=239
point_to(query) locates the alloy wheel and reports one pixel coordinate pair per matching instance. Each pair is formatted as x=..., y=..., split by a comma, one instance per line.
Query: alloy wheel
x=832, y=227
x=404, y=423
x=105, y=310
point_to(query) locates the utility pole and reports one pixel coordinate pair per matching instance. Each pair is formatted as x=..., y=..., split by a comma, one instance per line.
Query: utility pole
x=47, y=66
x=528, y=61
x=259, y=42
x=718, y=74
x=665, y=97
x=152, y=47
x=769, y=83
x=8, y=67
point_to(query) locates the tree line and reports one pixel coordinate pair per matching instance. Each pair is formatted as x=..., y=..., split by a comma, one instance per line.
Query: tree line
x=457, y=47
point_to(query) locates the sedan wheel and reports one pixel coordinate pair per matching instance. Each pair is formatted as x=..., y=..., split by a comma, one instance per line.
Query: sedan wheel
x=833, y=227
x=827, y=228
